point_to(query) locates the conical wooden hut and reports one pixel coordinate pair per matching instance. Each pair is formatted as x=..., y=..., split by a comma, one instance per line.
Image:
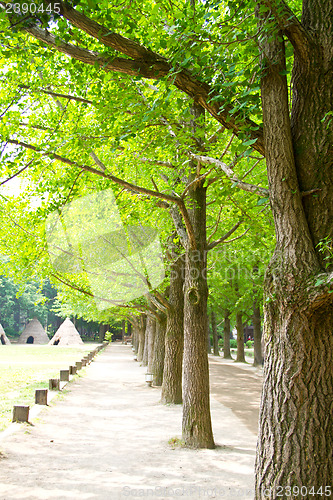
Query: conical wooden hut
x=33, y=333
x=4, y=340
x=66, y=334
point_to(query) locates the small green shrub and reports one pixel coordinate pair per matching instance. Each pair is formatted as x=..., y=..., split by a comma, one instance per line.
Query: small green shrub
x=249, y=344
x=108, y=336
x=221, y=343
x=233, y=343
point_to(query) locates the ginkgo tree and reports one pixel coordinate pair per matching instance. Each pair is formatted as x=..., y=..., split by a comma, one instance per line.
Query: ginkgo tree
x=218, y=54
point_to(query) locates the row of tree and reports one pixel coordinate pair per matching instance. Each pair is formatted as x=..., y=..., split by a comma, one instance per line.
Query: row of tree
x=177, y=106
x=19, y=303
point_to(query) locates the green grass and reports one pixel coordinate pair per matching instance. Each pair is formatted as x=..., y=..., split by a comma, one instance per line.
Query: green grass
x=24, y=368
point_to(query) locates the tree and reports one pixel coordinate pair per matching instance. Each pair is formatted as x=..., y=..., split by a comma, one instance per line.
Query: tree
x=226, y=335
x=210, y=53
x=215, y=336
x=295, y=437
x=174, y=336
x=20, y=303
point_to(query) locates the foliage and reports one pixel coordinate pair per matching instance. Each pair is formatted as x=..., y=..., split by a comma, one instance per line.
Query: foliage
x=138, y=129
x=18, y=303
x=108, y=336
x=233, y=343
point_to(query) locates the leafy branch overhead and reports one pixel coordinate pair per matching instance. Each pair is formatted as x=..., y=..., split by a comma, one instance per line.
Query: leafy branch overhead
x=145, y=63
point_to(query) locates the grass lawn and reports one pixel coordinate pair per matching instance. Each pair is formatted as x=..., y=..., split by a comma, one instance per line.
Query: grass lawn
x=24, y=368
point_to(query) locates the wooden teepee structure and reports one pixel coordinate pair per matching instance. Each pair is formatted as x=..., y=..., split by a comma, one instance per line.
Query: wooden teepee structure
x=4, y=340
x=66, y=334
x=33, y=333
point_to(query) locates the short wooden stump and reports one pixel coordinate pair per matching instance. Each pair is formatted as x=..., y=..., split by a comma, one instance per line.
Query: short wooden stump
x=78, y=365
x=54, y=384
x=72, y=370
x=41, y=396
x=64, y=375
x=21, y=413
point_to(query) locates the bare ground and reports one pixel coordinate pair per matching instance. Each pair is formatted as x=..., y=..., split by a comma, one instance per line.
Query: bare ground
x=107, y=438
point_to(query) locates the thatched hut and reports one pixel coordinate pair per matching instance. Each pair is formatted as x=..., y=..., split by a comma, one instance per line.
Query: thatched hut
x=66, y=334
x=4, y=340
x=33, y=333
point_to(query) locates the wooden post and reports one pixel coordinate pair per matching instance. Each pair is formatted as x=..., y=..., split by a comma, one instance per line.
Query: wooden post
x=64, y=375
x=78, y=365
x=72, y=370
x=41, y=396
x=54, y=384
x=21, y=413
x=83, y=361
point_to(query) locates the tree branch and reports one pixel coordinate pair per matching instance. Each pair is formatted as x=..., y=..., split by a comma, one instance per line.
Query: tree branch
x=237, y=237
x=17, y=173
x=55, y=94
x=299, y=37
x=132, y=187
x=260, y=191
x=167, y=164
x=117, y=180
x=147, y=64
x=221, y=240
x=177, y=220
x=160, y=302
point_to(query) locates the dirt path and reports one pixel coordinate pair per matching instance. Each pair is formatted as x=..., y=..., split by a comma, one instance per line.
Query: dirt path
x=237, y=386
x=107, y=438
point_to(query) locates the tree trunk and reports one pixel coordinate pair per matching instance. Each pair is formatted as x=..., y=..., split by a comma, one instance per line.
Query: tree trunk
x=240, y=338
x=226, y=333
x=296, y=427
x=159, y=350
x=129, y=330
x=256, y=320
x=174, y=338
x=197, y=428
x=141, y=336
x=123, y=332
x=151, y=330
x=102, y=329
x=215, y=336
x=145, y=349
x=135, y=336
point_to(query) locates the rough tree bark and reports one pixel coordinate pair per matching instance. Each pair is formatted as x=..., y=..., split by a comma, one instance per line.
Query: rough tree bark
x=240, y=338
x=159, y=350
x=145, y=348
x=151, y=330
x=174, y=337
x=141, y=326
x=215, y=336
x=256, y=320
x=226, y=335
x=296, y=427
